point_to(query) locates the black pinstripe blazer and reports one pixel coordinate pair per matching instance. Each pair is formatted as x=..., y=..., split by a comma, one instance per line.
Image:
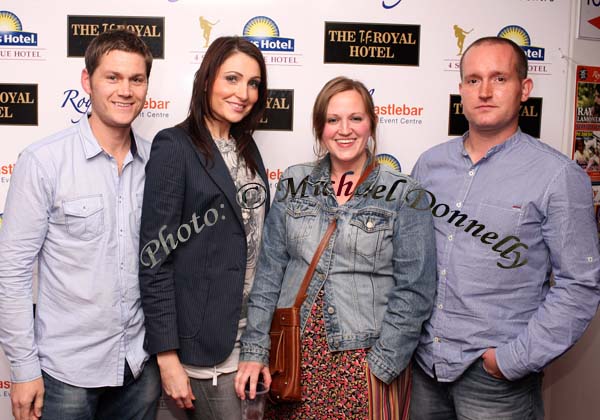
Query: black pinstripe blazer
x=191, y=284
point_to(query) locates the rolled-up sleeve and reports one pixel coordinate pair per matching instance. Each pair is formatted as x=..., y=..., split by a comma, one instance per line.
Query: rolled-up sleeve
x=570, y=234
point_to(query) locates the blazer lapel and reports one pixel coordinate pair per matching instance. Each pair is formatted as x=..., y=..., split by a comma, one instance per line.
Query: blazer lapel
x=218, y=172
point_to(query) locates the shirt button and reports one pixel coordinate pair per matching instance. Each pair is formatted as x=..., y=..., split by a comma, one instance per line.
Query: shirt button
x=450, y=237
x=370, y=224
x=440, y=306
x=443, y=272
x=330, y=310
x=436, y=339
x=471, y=173
x=459, y=204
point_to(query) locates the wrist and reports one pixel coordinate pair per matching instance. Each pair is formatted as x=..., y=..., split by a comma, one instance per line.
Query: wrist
x=167, y=358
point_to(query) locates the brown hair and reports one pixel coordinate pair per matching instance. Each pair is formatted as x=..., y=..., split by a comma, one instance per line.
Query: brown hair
x=220, y=50
x=117, y=39
x=521, y=58
x=333, y=87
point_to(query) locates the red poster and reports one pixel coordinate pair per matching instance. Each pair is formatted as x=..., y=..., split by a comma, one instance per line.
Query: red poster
x=586, y=139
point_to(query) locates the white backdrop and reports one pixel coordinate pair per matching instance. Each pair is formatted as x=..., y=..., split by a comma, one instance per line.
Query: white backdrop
x=428, y=86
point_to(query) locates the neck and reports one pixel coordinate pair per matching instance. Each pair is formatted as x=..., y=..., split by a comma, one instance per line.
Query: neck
x=479, y=142
x=217, y=129
x=115, y=141
x=340, y=168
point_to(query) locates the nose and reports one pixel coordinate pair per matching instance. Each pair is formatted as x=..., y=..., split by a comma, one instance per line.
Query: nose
x=242, y=91
x=485, y=89
x=125, y=88
x=344, y=127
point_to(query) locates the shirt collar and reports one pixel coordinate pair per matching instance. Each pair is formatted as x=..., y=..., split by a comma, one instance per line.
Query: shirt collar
x=507, y=144
x=92, y=148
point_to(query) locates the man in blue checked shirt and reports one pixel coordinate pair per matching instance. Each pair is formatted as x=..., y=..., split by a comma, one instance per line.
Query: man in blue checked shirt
x=74, y=203
x=509, y=212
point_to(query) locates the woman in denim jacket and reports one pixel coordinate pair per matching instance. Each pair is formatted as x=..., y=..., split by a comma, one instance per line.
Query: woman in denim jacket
x=374, y=284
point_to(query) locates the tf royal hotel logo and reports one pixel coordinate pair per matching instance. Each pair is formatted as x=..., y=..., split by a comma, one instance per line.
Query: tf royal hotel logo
x=15, y=43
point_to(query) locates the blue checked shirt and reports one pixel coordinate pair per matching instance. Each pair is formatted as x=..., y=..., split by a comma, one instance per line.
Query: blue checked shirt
x=68, y=206
x=523, y=192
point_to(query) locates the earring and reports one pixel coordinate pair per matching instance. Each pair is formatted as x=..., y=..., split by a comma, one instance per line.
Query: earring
x=370, y=144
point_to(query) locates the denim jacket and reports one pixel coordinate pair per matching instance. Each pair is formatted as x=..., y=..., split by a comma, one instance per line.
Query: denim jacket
x=378, y=270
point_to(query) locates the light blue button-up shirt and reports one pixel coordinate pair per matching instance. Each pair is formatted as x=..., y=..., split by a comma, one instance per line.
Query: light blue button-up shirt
x=68, y=205
x=523, y=192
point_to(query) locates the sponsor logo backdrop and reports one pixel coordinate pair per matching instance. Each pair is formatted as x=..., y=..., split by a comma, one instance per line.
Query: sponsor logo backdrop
x=406, y=52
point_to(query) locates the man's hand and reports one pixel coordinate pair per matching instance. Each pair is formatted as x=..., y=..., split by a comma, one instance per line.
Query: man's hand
x=27, y=399
x=490, y=365
x=175, y=381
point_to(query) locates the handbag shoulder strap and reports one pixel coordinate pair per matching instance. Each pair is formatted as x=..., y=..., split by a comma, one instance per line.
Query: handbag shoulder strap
x=301, y=296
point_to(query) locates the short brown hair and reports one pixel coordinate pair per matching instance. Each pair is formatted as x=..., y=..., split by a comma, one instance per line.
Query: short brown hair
x=116, y=39
x=521, y=58
x=333, y=87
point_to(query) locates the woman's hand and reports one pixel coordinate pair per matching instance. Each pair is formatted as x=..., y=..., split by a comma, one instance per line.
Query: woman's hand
x=251, y=371
x=174, y=380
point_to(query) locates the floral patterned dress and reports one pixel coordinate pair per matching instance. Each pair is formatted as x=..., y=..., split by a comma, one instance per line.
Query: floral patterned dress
x=334, y=384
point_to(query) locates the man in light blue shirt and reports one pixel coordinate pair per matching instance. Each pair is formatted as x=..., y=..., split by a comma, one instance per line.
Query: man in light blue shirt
x=509, y=211
x=74, y=203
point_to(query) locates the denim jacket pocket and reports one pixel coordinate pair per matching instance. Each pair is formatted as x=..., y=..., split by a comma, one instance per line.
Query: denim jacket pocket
x=302, y=214
x=368, y=228
x=84, y=217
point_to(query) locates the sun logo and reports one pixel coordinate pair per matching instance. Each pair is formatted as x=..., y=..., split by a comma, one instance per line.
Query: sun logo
x=516, y=34
x=9, y=22
x=261, y=27
x=520, y=37
x=264, y=33
x=389, y=160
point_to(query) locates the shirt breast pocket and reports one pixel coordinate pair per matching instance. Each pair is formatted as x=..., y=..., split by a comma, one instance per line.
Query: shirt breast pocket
x=369, y=227
x=84, y=217
x=502, y=218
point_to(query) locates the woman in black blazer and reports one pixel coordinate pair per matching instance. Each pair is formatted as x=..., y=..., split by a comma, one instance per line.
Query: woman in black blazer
x=204, y=204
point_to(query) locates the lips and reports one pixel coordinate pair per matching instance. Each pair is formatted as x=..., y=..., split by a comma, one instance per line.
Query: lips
x=123, y=104
x=237, y=107
x=345, y=142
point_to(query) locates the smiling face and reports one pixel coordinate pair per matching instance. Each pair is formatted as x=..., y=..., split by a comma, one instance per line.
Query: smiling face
x=117, y=90
x=346, y=131
x=234, y=92
x=491, y=90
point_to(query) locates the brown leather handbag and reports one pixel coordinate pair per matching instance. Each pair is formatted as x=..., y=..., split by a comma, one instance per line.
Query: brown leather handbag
x=284, y=357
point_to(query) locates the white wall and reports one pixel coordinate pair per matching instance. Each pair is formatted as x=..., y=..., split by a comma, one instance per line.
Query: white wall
x=570, y=388
x=572, y=384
